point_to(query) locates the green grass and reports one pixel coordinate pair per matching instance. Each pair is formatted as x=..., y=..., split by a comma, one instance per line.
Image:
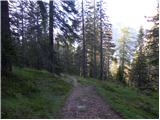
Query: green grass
x=129, y=102
x=28, y=93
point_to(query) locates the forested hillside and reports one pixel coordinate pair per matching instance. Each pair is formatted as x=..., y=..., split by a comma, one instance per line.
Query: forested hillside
x=62, y=53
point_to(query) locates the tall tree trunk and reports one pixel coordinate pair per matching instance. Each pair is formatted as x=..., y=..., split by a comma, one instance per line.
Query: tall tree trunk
x=39, y=65
x=66, y=55
x=122, y=63
x=23, y=41
x=6, y=39
x=95, y=61
x=140, y=82
x=43, y=14
x=101, y=45
x=91, y=61
x=51, y=43
x=108, y=66
x=84, y=44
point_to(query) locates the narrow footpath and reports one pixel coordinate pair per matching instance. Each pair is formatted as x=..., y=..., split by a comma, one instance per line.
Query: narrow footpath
x=84, y=103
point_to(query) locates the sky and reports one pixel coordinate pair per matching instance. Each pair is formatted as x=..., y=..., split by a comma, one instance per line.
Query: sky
x=131, y=12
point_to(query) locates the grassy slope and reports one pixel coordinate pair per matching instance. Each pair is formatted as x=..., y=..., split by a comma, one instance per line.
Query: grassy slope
x=127, y=101
x=29, y=93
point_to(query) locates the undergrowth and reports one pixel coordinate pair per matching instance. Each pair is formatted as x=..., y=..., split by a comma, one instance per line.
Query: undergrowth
x=129, y=102
x=28, y=93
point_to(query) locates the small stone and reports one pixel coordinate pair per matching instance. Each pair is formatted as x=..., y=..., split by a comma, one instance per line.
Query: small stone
x=81, y=108
x=84, y=100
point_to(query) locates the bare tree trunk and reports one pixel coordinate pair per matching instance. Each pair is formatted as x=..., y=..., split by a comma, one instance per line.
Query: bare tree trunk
x=6, y=38
x=43, y=14
x=101, y=45
x=38, y=64
x=122, y=63
x=84, y=44
x=24, y=61
x=140, y=82
x=108, y=67
x=94, y=60
x=94, y=43
x=51, y=43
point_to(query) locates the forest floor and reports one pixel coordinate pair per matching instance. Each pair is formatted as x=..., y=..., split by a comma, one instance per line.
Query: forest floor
x=84, y=103
x=30, y=94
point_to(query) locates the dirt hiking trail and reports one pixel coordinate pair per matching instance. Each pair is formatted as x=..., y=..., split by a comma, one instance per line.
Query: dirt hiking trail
x=84, y=103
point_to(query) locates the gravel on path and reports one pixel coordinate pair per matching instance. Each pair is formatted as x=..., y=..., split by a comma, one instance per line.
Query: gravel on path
x=84, y=103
